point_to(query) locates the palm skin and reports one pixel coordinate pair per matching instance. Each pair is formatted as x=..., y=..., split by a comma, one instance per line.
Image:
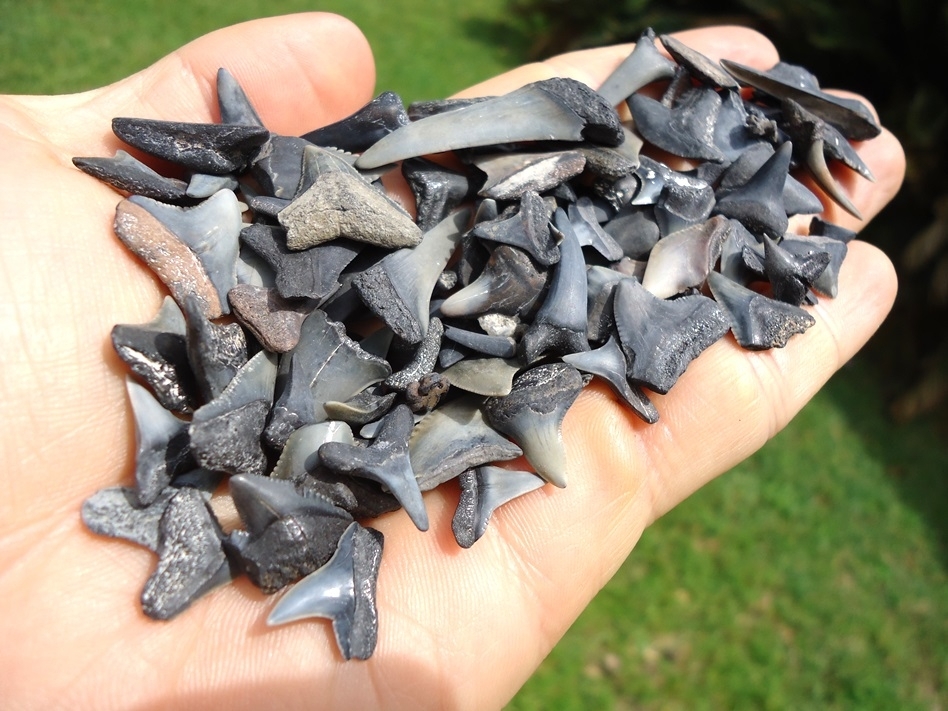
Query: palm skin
x=459, y=628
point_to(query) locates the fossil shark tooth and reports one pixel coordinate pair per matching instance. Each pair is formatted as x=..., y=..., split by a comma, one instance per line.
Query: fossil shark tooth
x=758, y=322
x=367, y=406
x=510, y=175
x=273, y=320
x=560, y=324
x=731, y=133
x=600, y=284
x=385, y=460
x=683, y=259
x=279, y=165
x=635, y=230
x=356, y=132
x=821, y=228
x=423, y=362
x=613, y=163
x=758, y=204
x=644, y=65
x=733, y=264
x=483, y=490
x=191, y=559
x=127, y=173
x=262, y=500
x=850, y=116
x=816, y=162
x=608, y=362
x=202, y=186
x=157, y=353
x=167, y=256
x=162, y=449
x=232, y=101
x=343, y=590
x=510, y=284
x=682, y=205
x=702, y=68
x=532, y=413
x=216, y=351
x=548, y=110
x=422, y=109
x=797, y=198
x=211, y=230
x=790, y=276
x=685, y=130
x=453, y=438
x=527, y=229
x=398, y=288
x=202, y=147
x=496, y=346
x=803, y=246
x=299, y=455
x=116, y=512
x=483, y=376
x=317, y=161
x=586, y=227
x=438, y=190
x=661, y=337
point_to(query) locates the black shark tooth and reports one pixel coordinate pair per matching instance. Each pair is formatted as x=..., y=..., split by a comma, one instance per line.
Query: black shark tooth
x=483, y=490
x=360, y=130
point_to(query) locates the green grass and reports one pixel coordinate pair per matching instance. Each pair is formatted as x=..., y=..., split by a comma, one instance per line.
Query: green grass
x=813, y=576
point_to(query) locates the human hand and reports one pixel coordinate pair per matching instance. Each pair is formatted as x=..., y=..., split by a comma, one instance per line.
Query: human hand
x=459, y=628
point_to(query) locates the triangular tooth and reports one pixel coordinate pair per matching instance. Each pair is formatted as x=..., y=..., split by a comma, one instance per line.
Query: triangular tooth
x=816, y=162
x=759, y=204
x=686, y=130
x=161, y=444
x=644, y=65
x=483, y=490
x=702, y=68
x=343, y=590
x=552, y=109
x=233, y=103
x=437, y=190
x=526, y=229
x=261, y=500
x=356, y=132
x=491, y=377
x=683, y=259
x=802, y=246
x=126, y=173
x=683, y=205
x=278, y=166
x=299, y=455
x=586, y=227
x=791, y=276
x=273, y=320
x=532, y=413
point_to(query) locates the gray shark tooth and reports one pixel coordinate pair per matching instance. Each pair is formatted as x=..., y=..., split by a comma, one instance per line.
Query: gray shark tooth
x=660, y=338
x=267, y=206
x=643, y=66
x=398, y=288
x=233, y=103
x=582, y=216
x=733, y=264
x=425, y=394
x=532, y=413
x=326, y=365
x=555, y=109
x=423, y=362
x=422, y=109
x=310, y=273
x=797, y=198
x=682, y=205
x=453, y=438
x=702, y=68
x=490, y=377
x=116, y=512
x=683, y=259
x=759, y=204
x=299, y=455
x=191, y=559
x=202, y=186
x=613, y=163
x=608, y=362
x=317, y=161
x=438, y=190
x=343, y=590
x=273, y=320
x=687, y=130
x=451, y=353
x=790, y=276
x=126, y=173
x=600, y=283
x=262, y=500
x=822, y=228
x=211, y=230
x=731, y=134
x=528, y=229
x=635, y=230
x=496, y=346
x=161, y=444
x=202, y=147
x=510, y=175
x=157, y=353
x=816, y=163
x=225, y=433
x=216, y=351
x=483, y=490
x=167, y=256
x=361, y=409
x=828, y=280
x=278, y=167
x=757, y=322
x=385, y=460
x=356, y=132
x=253, y=270
x=850, y=116
x=560, y=324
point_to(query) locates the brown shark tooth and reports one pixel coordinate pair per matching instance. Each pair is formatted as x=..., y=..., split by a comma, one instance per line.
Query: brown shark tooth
x=702, y=68
x=356, y=132
x=386, y=460
x=759, y=204
x=343, y=590
x=532, y=413
x=128, y=174
x=551, y=109
x=202, y=147
x=454, y=438
x=684, y=259
x=483, y=490
x=510, y=284
x=661, y=337
x=643, y=66
x=437, y=190
x=510, y=175
x=560, y=324
x=398, y=288
x=685, y=130
x=850, y=116
x=608, y=362
x=273, y=320
x=232, y=101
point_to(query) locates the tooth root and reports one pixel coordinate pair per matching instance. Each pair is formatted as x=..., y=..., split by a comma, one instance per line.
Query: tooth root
x=483, y=491
x=261, y=500
x=816, y=162
x=343, y=590
x=382, y=115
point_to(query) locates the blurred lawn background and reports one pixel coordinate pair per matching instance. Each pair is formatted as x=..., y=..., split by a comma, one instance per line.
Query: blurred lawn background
x=813, y=576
